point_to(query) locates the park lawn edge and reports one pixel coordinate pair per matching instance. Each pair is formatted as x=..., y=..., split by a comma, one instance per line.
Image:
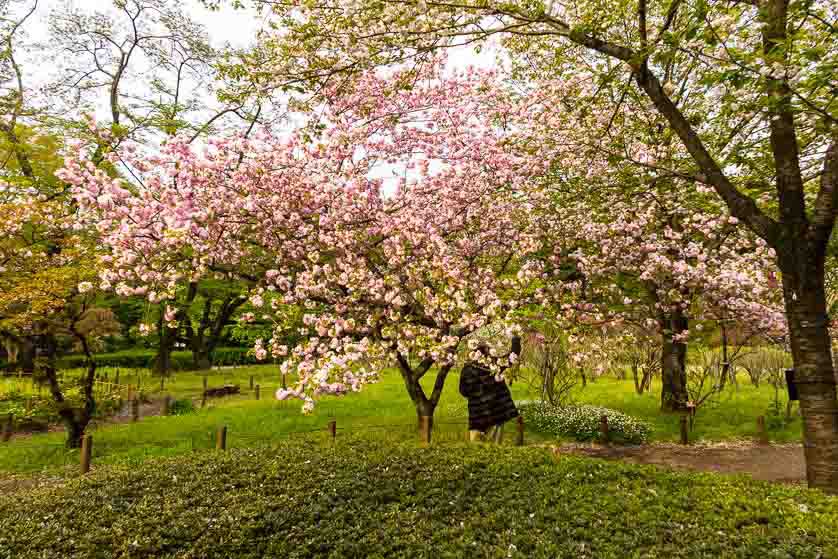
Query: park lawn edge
x=361, y=498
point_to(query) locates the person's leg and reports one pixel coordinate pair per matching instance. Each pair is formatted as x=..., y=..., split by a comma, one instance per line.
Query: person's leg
x=497, y=436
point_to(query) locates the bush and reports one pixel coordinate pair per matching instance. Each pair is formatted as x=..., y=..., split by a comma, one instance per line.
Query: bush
x=142, y=359
x=301, y=500
x=582, y=423
x=181, y=407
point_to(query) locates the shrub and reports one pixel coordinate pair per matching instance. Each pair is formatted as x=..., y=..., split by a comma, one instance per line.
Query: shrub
x=582, y=422
x=181, y=407
x=142, y=359
x=300, y=500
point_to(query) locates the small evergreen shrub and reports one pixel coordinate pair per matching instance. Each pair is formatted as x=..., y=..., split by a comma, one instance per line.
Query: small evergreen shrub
x=181, y=407
x=582, y=423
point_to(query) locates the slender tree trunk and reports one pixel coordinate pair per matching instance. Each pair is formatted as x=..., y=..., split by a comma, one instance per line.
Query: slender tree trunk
x=673, y=363
x=638, y=383
x=162, y=363
x=26, y=356
x=814, y=375
x=75, y=420
x=201, y=359
x=725, y=365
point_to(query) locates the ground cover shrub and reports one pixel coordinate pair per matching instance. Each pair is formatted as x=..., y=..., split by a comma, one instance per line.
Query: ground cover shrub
x=359, y=499
x=582, y=422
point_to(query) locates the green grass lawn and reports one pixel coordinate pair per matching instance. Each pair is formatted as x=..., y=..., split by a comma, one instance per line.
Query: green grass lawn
x=302, y=499
x=381, y=411
x=731, y=415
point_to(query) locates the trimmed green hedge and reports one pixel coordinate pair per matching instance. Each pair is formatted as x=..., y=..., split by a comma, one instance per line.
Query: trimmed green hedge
x=582, y=423
x=304, y=500
x=142, y=359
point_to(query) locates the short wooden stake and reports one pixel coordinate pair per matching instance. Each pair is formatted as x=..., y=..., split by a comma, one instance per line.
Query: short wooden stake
x=251, y=383
x=762, y=435
x=8, y=427
x=333, y=430
x=604, y=435
x=135, y=410
x=167, y=405
x=519, y=441
x=86, y=451
x=162, y=383
x=221, y=438
x=425, y=425
x=116, y=377
x=685, y=431
x=257, y=391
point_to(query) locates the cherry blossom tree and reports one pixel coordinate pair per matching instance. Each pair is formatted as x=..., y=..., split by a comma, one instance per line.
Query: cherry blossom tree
x=402, y=275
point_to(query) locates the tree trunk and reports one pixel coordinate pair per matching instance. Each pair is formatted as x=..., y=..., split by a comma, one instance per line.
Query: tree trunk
x=814, y=374
x=26, y=355
x=201, y=359
x=725, y=364
x=75, y=420
x=673, y=363
x=162, y=363
x=638, y=383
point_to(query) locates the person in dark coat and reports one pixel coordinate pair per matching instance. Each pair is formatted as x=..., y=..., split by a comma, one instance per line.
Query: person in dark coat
x=490, y=403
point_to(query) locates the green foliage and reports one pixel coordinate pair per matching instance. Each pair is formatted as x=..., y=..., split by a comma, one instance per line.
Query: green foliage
x=582, y=423
x=303, y=499
x=141, y=359
x=181, y=407
x=29, y=409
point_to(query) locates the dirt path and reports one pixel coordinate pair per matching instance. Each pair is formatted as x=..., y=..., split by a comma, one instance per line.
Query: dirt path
x=780, y=463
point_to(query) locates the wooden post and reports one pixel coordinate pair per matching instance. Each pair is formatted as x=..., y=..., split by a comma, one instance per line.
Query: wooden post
x=86, y=451
x=135, y=410
x=204, y=394
x=162, y=383
x=221, y=438
x=116, y=377
x=167, y=405
x=8, y=427
x=519, y=441
x=762, y=435
x=333, y=430
x=604, y=435
x=425, y=426
x=685, y=432
x=257, y=391
x=251, y=383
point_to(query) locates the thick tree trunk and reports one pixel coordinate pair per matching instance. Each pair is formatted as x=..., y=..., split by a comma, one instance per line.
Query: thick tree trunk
x=673, y=363
x=814, y=375
x=26, y=355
